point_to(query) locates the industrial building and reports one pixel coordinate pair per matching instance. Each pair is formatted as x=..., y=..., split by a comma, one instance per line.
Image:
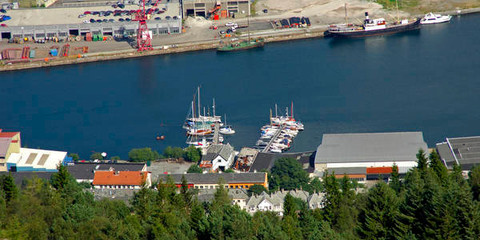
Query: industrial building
x=61, y=31
x=121, y=179
x=31, y=160
x=9, y=143
x=265, y=161
x=464, y=151
x=368, y=156
x=211, y=180
x=213, y=9
x=85, y=172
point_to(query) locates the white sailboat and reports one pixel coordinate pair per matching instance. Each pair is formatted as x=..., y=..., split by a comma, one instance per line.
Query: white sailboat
x=226, y=129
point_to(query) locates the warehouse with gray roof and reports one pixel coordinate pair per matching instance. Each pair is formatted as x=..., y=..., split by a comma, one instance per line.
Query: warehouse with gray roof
x=464, y=151
x=368, y=156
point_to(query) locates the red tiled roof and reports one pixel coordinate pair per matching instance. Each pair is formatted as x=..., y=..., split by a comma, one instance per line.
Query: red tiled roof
x=130, y=178
x=7, y=134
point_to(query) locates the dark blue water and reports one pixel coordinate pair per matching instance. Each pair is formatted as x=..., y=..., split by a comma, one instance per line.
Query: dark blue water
x=425, y=81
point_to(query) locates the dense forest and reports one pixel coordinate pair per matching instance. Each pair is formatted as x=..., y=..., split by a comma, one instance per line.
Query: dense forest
x=428, y=203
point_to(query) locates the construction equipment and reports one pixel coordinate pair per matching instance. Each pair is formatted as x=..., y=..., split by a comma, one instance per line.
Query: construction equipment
x=64, y=51
x=144, y=36
x=84, y=49
x=25, y=52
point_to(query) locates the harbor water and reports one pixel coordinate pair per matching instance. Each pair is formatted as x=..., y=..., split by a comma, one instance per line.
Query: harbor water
x=420, y=81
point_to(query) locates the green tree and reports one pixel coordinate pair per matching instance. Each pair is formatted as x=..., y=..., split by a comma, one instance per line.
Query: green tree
x=96, y=155
x=381, y=217
x=194, y=168
x=474, y=180
x=316, y=185
x=422, y=161
x=175, y=152
x=395, y=183
x=74, y=156
x=438, y=167
x=115, y=158
x=288, y=174
x=289, y=206
x=9, y=188
x=192, y=154
x=142, y=155
x=229, y=171
x=256, y=189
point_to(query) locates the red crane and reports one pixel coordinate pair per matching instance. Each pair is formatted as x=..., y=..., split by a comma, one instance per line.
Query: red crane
x=144, y=38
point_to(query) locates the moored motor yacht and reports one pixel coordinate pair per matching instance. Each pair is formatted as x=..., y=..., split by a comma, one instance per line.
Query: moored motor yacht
x=431, y=18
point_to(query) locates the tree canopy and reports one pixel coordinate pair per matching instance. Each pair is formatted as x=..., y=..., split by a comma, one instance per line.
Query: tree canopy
x=143, y=155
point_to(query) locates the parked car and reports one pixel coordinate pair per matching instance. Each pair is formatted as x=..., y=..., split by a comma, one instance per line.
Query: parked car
x=92, y=20
x=3, y=25
x=95, y=13
x=265, y=10
x=121, y=19
x=121, y=6
x=87, y=13
x=3, y=11
x=99, y=20
x=158, y=18
x=81, y=16
x=111, y=20
x=175, y=17
x=128, y=19
x=168, y=17
x=231, y=24
x=86, y=21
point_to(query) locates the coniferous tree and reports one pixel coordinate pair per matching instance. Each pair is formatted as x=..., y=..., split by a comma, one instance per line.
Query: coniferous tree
x=395, y=183
x=381, y=218
x=9, y=188
x=422, y=162
x=438, y=167
x=474, y=180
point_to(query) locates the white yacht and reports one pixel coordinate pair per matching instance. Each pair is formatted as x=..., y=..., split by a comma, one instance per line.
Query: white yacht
x=227, y=130
x=431, y=18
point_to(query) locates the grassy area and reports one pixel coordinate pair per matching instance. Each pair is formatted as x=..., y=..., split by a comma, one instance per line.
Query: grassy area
x=253, y=11
x=420, y=7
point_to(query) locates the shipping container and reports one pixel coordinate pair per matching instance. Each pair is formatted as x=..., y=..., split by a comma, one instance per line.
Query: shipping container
x=32, y=54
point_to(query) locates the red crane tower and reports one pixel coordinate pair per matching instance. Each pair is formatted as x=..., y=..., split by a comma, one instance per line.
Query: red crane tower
x=144, y=38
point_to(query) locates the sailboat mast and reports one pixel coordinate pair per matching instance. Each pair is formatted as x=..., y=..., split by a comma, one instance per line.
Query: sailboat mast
x=276, y=110
x=198, y=92
x=291, y=109
x=193, y=108
x=248, y=21
x=270, y=116
x=213, y=107
x=346, y=16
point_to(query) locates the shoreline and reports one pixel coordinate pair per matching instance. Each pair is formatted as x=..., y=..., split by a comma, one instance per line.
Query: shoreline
x=270, y=36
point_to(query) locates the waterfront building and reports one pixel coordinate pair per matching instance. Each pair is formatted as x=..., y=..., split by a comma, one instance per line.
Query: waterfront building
x=274, y=201
x=215, y=9
x=121, y=179
x=212, y=180
x=265, y=161
x=368, y=156
x=36, y=160
x=9, y=143
x=219, y=157
x=463, y=151
x=85, y=172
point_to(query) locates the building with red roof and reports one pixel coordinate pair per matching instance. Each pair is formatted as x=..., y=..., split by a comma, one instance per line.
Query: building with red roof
x=9, y=143
x=121, y=179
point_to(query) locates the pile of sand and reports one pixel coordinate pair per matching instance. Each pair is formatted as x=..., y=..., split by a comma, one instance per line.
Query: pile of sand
x=197, y=22
x=333, y=10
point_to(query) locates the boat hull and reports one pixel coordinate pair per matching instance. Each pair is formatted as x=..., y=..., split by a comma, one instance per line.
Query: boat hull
x=240, y=48
x=362, y=33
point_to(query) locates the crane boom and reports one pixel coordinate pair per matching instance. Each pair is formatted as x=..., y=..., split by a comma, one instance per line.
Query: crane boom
x=144, y=37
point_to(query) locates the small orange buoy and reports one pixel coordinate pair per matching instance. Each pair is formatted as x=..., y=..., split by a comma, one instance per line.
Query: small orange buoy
x=162, y=137
x=79, y=56
x=158, y=138
x=46, y=59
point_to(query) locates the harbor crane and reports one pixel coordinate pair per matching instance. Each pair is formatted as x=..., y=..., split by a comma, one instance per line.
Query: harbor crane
x=144, y=36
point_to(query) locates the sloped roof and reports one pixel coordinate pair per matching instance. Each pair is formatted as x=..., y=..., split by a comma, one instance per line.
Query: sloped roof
x=224, y=151
x=213, y=178
x=8, y=134
x=130, y=178
x=4, y=144
x=370, y=147
x=464, y=149
x=265, y=161
x=86, y=170
x=21, y=176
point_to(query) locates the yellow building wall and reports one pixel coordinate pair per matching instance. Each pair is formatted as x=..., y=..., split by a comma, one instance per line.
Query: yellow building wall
x=13, y=148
